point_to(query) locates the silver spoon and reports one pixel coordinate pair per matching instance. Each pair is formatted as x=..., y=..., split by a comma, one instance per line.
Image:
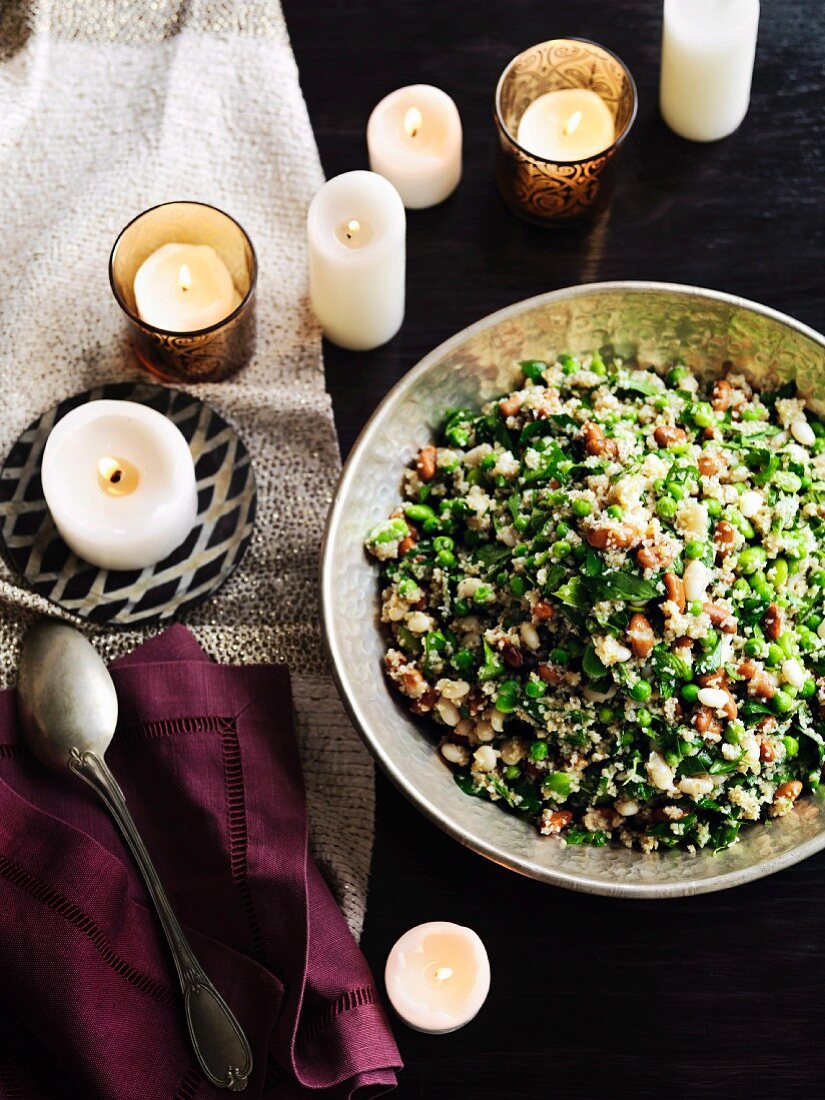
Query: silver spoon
x=68, y=711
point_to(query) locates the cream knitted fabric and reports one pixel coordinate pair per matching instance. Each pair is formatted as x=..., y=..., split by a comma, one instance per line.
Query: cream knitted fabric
x=108, y=107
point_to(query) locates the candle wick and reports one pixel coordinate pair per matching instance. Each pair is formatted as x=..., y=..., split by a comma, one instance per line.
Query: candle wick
x=412, y=121
x=443, y=973
x=116, y=476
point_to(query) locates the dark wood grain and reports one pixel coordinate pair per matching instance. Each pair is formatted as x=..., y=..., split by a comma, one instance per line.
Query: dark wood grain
x=716, y=996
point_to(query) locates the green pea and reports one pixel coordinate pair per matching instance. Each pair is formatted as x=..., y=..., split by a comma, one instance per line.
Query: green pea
x=807, y=639
x=560, y=549
x=741, y=588
x=776, y=655
x=703, y=415
x=534, y=689
x=808, y=689
x=463, y=660
x=694, y=548
x=559, y=656
x=505, y=704
x=676, y=491
x=562, y=530
x=677, y=375
x=431, y=524
x=714, y=507
x=409, y=590
x=443, y=542
x=791, y=746
x=709, y=640
x=483, y=594
x=489, y=461
x=690, y=692
x=641, y=691
x=644, y=717
x=814, y=621
x=782, y=702
x=559, y=782
x=539, y=750
x=446, y=559
x=581, y=507
x=671, y=759
x=813, y=780
x=606, y=715
x=666, y=507
x=752, y=558
x=615, y=512
x=753, y=648
x=787, y=643
x=518, y=585
x=461, y=608
x=521, y=523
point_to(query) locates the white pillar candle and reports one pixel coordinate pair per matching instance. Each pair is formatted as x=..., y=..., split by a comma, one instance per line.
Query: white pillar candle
x=119, y=481
x=414, y=140
x=567, y=125
x=356, y=228
x=184, y=288
x=708, y=48
x=438, y=977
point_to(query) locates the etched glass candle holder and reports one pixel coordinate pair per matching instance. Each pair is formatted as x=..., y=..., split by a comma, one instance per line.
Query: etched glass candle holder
x=555, y=191
x=224, y=345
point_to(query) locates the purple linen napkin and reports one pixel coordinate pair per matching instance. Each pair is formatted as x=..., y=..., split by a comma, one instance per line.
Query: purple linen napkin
x=207, y=758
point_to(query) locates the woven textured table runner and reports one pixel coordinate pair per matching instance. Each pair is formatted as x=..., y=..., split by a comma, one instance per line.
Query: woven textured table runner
x=108, y=107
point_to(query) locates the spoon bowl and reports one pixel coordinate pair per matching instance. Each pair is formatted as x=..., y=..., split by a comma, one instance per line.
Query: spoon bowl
x=66, y=698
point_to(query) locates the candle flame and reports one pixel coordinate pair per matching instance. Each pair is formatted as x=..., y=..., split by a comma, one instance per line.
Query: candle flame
x=185, y=277
x=443, y=973
x=572, y=123
x=352, y=227
x=117, y=477
x=412, y=121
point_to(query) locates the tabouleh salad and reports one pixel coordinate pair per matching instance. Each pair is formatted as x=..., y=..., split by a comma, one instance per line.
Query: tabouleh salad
x=607, y=588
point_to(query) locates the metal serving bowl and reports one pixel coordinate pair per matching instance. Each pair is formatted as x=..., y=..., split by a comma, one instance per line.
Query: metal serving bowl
x=658, y=323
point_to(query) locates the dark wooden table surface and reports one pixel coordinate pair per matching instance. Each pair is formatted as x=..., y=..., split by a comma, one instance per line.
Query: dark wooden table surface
x=714, y=996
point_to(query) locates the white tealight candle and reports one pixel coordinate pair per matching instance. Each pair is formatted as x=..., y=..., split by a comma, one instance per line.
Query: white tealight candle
x=184, y=288
x=708, y=47
x=438, y=977
x=356, y=229
x=414, y=140
x=567, y=125
x=119, y=481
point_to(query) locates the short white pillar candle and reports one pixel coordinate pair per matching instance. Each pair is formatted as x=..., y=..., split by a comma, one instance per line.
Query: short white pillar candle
x=414, y=139
x=184, y=288
x=438, y=977
x=708, y=47
x=119, y=481
x=567, y=125
x=356, y=228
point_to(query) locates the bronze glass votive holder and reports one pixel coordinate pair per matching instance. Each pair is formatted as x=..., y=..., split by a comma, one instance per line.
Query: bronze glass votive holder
x=549, y=192
x=203, y=355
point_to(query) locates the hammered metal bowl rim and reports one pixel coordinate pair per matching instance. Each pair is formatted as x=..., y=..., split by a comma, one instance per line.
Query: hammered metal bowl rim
x=581, y=883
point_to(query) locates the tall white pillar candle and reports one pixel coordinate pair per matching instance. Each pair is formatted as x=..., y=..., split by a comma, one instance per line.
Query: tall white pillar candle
x=356, y=228
x=119, y=481
x=708, y=48
x=414, y=139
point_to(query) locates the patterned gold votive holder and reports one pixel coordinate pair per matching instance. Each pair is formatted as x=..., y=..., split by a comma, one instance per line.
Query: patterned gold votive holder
x=203, y=355
x=550, y=192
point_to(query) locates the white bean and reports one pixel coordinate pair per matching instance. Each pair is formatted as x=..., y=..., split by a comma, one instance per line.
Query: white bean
x=803, y=433
x=485, y=758
x=448, y=711
x=793, y=672
x=696, y=578
x=715, y=698
x=529, y=635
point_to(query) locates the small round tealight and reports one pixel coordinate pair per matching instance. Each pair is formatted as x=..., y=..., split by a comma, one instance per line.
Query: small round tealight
x=438, y=977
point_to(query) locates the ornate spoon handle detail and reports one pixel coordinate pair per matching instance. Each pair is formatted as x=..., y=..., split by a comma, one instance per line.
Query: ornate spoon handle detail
x=219, y=1043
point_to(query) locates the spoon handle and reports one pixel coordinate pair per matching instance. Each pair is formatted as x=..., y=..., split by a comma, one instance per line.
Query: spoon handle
x=220, y=1045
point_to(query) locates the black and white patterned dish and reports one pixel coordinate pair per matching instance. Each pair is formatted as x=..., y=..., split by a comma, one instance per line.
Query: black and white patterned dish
x=189, y=575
